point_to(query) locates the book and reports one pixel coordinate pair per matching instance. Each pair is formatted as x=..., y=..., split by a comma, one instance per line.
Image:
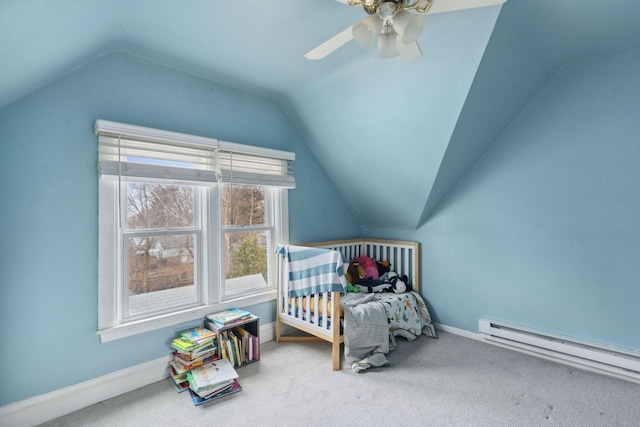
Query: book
x=184, y=345
x=223, y=348
x=179, y=377
x=198, y=335
x=246, y=343
x=192, y=355
x=215, y=389
x=238, y=349
x=206, y=390
x=227, y=343
x=211, y=374
x=188, y=359
x=249, y=343
x=179, y=386
x=197, y=400
x=180, y=369
x=190, y=364
x=227, y=317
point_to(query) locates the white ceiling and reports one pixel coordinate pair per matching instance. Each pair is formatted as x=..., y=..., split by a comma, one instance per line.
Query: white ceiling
x=380, y=129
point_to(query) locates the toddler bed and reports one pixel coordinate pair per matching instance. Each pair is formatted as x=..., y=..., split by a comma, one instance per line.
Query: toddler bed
x=317, y=309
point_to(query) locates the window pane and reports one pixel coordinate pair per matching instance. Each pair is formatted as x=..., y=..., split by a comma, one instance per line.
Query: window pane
x=246, y=261
x=161, y=272
x=159, y=206
x=242, y=205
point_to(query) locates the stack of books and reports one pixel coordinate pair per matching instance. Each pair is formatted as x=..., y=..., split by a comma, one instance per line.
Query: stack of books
x=229, y=317
x=212, y=381
x=192, y=348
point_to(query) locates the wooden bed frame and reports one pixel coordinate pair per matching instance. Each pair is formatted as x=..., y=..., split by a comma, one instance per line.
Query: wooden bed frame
x=319, y=315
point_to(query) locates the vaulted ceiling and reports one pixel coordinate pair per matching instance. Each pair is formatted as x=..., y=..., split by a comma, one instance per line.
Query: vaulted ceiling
x=393, y=138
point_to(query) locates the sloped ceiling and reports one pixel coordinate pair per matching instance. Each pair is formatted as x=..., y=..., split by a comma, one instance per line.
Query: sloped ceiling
x=394, y=138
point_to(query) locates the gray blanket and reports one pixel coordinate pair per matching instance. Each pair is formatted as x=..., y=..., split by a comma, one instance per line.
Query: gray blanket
x=366, y=331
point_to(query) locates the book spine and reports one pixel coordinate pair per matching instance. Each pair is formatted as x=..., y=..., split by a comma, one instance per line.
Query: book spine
x=237, y=349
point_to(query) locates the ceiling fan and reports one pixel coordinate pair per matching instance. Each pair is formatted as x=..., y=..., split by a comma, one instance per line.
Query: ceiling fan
x=394, y=24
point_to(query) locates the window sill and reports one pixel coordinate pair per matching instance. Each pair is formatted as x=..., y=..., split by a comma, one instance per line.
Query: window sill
x=147, y=325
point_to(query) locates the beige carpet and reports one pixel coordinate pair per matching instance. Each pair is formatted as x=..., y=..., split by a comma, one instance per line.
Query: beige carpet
x=451, y=381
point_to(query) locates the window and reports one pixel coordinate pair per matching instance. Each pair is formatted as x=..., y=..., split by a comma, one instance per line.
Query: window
x=162, y=239
x=188, y=226
x=247, y=233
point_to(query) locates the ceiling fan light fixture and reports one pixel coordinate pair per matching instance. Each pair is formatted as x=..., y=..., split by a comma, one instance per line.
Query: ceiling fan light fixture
x=387, y=46
x=408, y=25
x=366, y=31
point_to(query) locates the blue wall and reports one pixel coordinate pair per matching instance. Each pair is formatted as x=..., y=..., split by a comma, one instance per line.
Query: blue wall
x=543, y=231
x=49, y=215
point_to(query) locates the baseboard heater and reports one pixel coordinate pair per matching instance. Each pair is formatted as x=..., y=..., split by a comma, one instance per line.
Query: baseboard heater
x=609, y=360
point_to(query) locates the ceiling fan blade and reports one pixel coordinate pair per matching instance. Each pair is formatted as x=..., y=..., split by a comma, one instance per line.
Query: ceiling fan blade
x=408, y=52
x=330, y=45
x=440, y=6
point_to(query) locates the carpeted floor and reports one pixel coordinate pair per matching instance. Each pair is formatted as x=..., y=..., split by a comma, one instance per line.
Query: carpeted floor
x=451, y=381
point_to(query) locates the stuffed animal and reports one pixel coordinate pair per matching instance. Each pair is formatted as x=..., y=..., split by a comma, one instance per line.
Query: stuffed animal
x=370, y=286
x=384, y=267
x=370, y=267
x=400, y=284
x=355, y=272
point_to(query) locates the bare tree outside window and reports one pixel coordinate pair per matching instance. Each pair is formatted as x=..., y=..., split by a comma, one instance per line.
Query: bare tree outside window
x=159, y=259
x=242, y=205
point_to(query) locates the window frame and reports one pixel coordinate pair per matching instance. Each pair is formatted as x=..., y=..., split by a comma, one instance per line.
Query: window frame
x=111, y=252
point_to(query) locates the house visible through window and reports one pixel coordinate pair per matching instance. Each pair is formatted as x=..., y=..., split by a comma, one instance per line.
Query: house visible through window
x=187, y=226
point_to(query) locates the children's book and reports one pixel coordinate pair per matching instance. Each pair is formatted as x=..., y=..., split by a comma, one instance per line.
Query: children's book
x=180, y=387
x=182, y=344
x=198, y=335
x=197, y=400
x=227, y=317
x=217, y=389
x=210, y=389
x=191, y=362
x=180, y=369
x=198, y=352
x=179, y=377
x=211, y=374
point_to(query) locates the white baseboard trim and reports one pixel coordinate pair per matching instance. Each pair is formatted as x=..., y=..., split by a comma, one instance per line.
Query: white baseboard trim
x=459, y=332
x=48, y=406
x=575, y=364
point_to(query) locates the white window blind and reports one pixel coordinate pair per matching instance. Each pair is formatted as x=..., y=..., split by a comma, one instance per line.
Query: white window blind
x=134, y=152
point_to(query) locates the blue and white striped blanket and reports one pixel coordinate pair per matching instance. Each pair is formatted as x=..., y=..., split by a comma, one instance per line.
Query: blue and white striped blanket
x=312, y=270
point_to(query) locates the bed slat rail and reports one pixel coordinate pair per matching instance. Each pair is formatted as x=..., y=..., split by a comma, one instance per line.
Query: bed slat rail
x=403, y=257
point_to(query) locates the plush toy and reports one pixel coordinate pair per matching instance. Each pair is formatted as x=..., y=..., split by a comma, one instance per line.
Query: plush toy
x=384, y=267
x=370, y=286
x=352, y=288
x=400, y=284
x=355, y=272
x=370, y=267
